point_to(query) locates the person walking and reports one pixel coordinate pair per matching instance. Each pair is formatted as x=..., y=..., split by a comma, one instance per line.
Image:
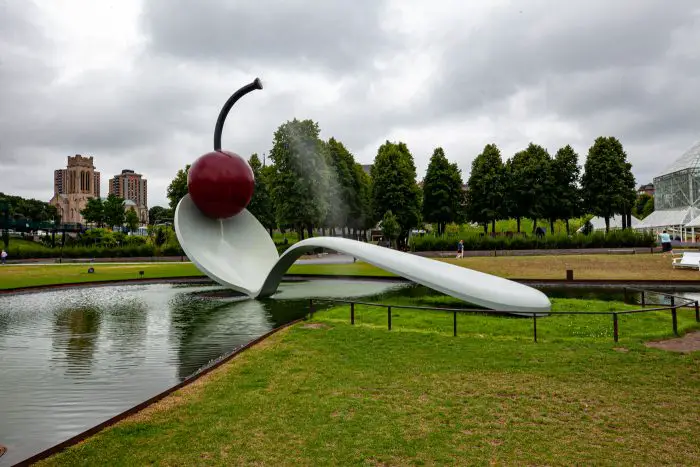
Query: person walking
x=3, y=256
x=666, y=246
x=460, y=249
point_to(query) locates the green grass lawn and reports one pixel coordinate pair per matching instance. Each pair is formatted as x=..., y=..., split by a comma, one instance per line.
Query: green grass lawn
x=26, y=245
x=25, y=276
x=613, y=267
x=328, y=393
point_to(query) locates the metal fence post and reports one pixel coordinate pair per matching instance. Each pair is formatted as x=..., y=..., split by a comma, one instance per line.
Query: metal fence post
x=388, y=313
x=615, y=328
x=697, y=311
x=674, y=317
x=352, y=313
x=454, y=323
x=534, y=325
x=643, y=299
x=311, y=308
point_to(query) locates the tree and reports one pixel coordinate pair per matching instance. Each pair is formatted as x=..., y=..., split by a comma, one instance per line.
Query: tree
x=442, y=191
x=486, y=187
x=390, y=228
x=161, y=236
x=132, y=220
x=639, y=204
x=178, y=187
x=261, y=203
x=607, y=182
x=394, y=186
x=114, y=211
x=363, y=218
x=343, y=193
x=648, y=207
x=565, y=192
x=94, y=212
x=300, y=180
x=529, y=185
x=159, y=213
x=627, y=195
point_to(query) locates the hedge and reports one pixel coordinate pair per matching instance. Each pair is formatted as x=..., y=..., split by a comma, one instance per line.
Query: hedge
x=93, y=252
x=474, y=242
x=614, y=239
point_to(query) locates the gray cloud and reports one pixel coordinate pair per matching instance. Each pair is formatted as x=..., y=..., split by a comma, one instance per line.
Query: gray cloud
x=456, y=76
x=335, y=36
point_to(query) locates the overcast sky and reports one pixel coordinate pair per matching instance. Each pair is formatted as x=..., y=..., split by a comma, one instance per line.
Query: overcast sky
x=139, y=84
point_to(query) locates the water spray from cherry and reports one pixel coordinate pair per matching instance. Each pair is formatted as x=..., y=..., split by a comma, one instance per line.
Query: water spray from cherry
x=221, y=183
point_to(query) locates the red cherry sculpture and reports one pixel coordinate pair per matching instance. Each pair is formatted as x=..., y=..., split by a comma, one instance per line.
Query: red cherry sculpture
x=221, y=183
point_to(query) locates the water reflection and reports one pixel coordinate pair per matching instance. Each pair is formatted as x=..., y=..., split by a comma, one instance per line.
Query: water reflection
x=75, y=333
x=72, y=358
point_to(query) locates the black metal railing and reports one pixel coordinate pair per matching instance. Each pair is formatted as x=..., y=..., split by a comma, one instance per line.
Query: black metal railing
x=646, y=298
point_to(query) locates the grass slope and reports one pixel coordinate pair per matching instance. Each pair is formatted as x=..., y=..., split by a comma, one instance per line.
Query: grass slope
x=327, y=393
x=26, y=276
x=614, y=267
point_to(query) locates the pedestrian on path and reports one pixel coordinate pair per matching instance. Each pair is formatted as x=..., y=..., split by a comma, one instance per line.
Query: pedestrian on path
x=3, y=256
x=460, y=249
x=666, y=245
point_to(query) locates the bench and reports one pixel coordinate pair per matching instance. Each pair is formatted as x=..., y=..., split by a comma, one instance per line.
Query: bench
x=687, y=260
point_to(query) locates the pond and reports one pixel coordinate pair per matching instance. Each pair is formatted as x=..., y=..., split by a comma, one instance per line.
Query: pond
x=72, y=358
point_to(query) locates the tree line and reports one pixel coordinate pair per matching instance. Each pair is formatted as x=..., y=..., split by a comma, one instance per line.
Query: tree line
x=309, y=184
x=110, y=212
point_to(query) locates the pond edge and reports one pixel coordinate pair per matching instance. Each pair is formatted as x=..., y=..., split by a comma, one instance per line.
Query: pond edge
x=62, y=446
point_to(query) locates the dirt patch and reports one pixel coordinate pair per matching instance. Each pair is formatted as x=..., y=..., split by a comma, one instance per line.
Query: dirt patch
x=621, y=349
x=315, y=326
x=688, y=343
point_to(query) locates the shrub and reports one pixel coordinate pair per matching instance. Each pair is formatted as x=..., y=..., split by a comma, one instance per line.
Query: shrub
x=472, y=241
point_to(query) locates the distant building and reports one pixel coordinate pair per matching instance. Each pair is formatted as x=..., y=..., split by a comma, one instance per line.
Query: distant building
x=677, y=195
x=133, y=188
x=73, y=186
x=647, y=189
x=367, y=168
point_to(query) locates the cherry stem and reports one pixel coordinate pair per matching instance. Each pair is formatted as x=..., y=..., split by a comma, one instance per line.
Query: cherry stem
x=257, y=84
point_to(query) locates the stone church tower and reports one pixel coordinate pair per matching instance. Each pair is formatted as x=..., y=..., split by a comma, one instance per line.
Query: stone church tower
x=73, y=186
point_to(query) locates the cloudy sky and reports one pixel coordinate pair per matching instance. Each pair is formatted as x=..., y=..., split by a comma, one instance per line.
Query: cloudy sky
x=138, y=84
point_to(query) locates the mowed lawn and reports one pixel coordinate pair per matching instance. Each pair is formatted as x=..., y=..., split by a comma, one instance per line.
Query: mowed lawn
x=13, y=276
x=327, y=393
x=614, y=267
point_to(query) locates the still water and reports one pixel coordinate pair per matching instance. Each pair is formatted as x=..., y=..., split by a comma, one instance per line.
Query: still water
x=72, y=358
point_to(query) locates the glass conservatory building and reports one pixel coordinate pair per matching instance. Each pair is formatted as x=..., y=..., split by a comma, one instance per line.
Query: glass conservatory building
x=677, y=197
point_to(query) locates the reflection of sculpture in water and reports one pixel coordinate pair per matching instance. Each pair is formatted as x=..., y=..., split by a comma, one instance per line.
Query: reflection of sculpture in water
x=76, y=331
x=228, y=244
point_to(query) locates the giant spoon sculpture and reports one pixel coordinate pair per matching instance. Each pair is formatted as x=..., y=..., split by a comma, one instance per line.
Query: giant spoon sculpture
x=226, y=242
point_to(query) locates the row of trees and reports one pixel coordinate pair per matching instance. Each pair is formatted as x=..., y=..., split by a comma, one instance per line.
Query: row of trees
x=309, y=184
x=535, y=185
x=109, y=212
x=31, y=209
x=313, y=184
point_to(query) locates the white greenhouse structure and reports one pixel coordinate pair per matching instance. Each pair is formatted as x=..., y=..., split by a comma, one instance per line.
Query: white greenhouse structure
x=677, y=199
x=598, y=223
